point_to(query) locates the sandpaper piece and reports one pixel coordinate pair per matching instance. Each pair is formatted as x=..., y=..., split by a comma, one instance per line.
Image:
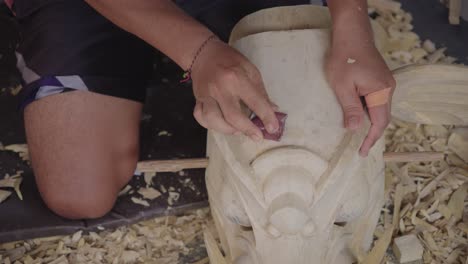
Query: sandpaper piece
x=276, y=136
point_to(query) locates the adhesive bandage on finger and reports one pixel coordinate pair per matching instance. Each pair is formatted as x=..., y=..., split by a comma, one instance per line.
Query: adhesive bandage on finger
x=378, y=98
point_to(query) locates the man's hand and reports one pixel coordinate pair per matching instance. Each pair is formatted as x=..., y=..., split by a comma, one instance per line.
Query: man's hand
x=222, y=79
x=355, y=68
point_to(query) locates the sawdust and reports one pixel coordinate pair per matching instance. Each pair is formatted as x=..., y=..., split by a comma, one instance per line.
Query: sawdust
x=427, y=199
x=165, y=240
x=432, y=195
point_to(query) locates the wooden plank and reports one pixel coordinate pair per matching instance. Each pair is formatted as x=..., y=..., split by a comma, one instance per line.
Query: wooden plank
x=171, y=165
x=201, y=163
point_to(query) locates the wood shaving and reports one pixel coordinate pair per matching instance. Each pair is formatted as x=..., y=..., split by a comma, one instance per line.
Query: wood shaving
x=164, y=133
x=148, y=176
x=125, y=190
x=149, y=193
x=436, y=209
x=456, y=203
x=4, y=195
x=13, y=182
x=429, y=46
x=21, y=149
x=458, y=142
x=140, y=201
x=173, y=197
x=153, y=241
x=378, y=252
x=350, y=61
x=15, y=90
x=429, y=187
x=408, y=249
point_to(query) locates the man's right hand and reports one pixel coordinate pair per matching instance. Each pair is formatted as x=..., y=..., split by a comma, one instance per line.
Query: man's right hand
x=222, y=79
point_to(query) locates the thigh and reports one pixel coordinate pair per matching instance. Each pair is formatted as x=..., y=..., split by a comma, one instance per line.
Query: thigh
x=67, y=45
x=83, y=148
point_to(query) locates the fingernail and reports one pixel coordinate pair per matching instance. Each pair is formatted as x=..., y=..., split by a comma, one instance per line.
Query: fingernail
x=271, y=128
x=353, y=122
x=362, y=153
x=275, y=106
x=256, y=137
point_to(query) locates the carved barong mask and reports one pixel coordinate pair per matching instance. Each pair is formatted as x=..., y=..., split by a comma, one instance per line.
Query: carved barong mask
x=309, y=198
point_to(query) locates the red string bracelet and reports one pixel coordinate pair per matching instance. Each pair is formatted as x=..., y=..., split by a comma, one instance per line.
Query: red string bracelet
x=187, y=76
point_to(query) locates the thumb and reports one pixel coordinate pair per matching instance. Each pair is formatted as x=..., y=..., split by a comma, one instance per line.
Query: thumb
x=353, y=111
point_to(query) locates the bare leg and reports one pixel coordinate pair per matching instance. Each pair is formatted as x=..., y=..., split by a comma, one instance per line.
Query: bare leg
x=84, y=149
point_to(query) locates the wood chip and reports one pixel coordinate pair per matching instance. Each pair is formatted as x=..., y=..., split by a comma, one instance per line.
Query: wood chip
x=173, y=197
x=350, y=61
x=148, y=176
x=457, y=201
x=378, y=251
x=212, y=248
x=397, y=205
x=149, y=193
x=140, y=201
x=385, y=5
x=125, y=190
x=21, y=149
x=458, y=142
x=4, y=195
x=408, y=249
x=13, y=182
x=15, y=90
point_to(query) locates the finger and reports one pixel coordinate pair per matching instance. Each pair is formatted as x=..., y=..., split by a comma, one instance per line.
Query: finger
x=232, y=113
x=351, y=105
x=198, y=114
x=379, y=117
x=255, y=97
x=214, y=118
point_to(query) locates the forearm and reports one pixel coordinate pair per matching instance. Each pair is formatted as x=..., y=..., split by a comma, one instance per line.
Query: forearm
x=351, y=24
x=160, y=23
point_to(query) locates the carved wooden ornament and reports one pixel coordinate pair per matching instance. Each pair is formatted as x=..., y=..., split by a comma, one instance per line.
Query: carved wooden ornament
x=309, y=198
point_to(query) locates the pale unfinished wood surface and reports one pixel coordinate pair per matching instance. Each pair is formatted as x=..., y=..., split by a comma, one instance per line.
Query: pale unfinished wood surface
x=434, y=94
x=413, y=156
x=171, y=165
x=292, y=192
x=294, y=18
x=458, y=142
x=455, y=11
x=294, y=200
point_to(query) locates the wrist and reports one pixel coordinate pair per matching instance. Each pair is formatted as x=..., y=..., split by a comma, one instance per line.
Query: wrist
x=351, y=23
x=198, y=55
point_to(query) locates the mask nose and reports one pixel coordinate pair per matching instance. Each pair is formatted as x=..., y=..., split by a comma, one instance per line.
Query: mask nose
x=288, y=176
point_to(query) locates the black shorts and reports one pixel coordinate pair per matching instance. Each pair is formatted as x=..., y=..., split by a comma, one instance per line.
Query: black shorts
x=66, y=45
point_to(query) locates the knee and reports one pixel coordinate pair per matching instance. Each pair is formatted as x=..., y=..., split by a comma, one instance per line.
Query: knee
x=83, y=206
x=84, y=193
